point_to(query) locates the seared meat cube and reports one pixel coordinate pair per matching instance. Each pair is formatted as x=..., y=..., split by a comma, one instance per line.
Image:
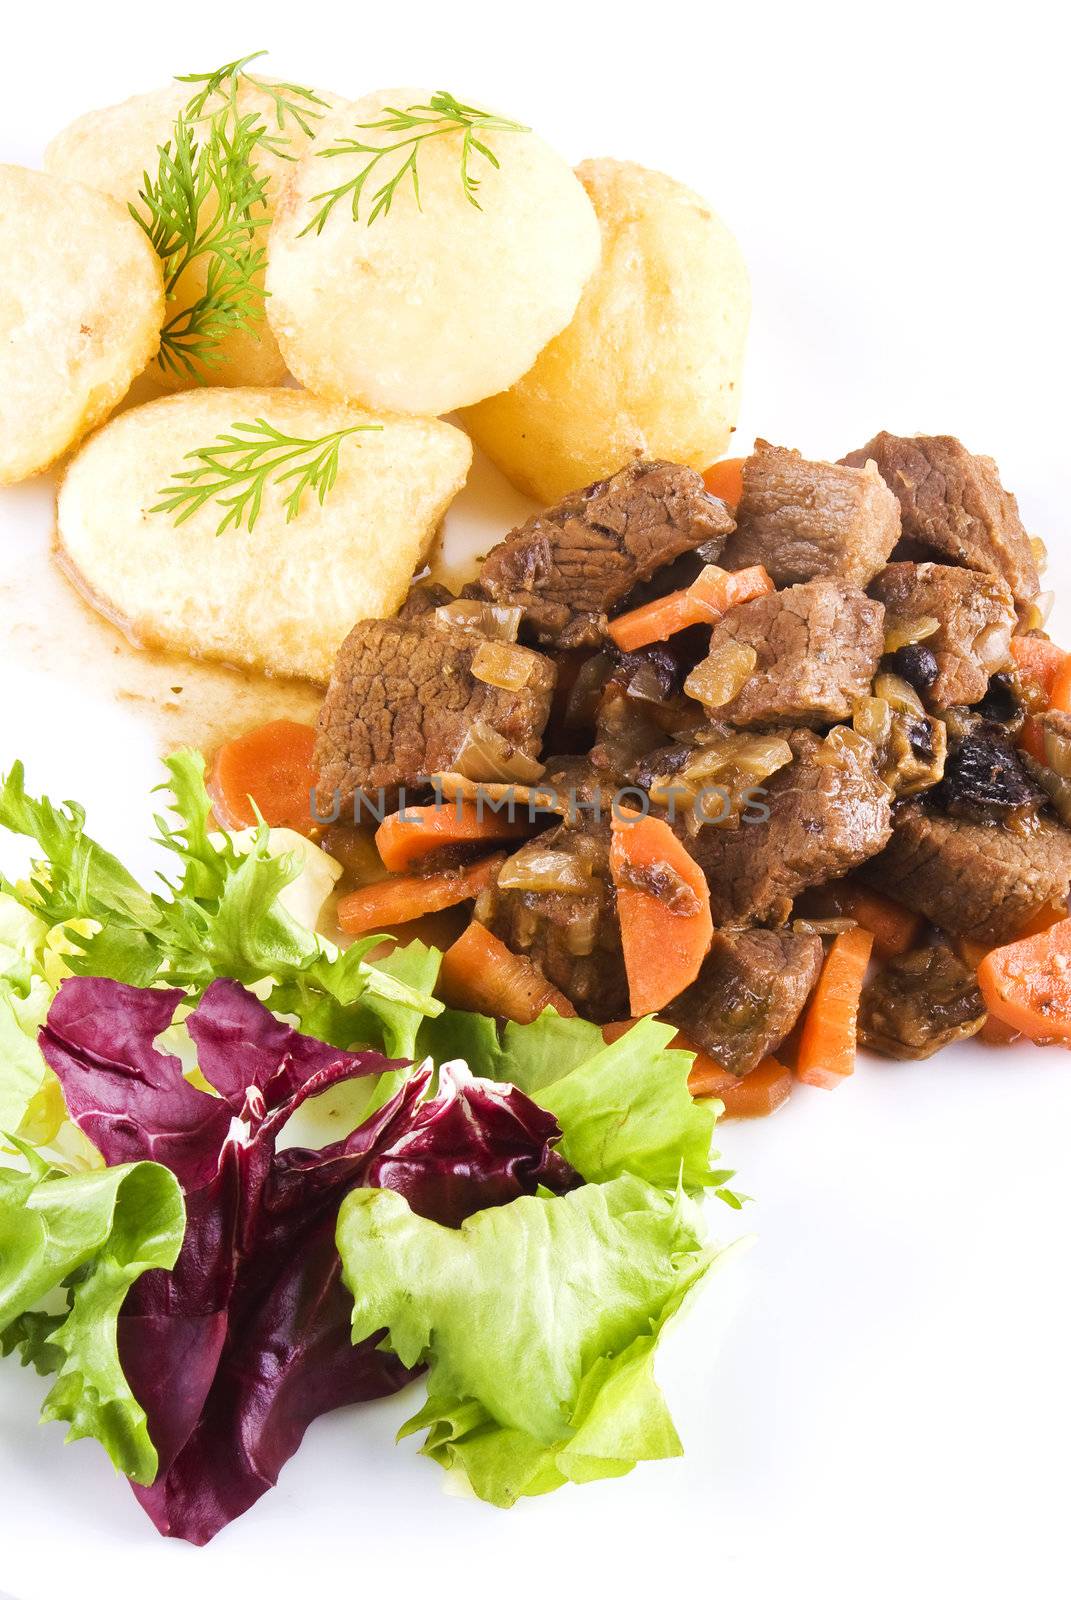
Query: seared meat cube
x=985, y=781
x=817, y=647
x=828, y=810
x=954, y=504
x=976, y=613
x=969, y=878
x=749, y=992
x=918, y=1003
x=402, y=700
x=424, y=598
x=809, y=519
x=566, y=917
x=578, y=561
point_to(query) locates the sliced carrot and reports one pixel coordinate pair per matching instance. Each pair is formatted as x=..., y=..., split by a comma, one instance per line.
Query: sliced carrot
x=1039, y=660
x=419, y=831
x=896, y=930
x=827, y=1040
x=1032, y=739
x=713, y=593
x=1027, y=985
x=664, y=943
x=726, y=480
x=1060, y=694
x=759, y=1092
x=271, y=768
x=480, y=973
x=381, y=905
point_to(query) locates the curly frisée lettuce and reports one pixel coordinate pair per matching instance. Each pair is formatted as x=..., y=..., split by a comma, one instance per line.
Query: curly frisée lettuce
x=222, y=916
x=538, y=1322
x=93, y=1235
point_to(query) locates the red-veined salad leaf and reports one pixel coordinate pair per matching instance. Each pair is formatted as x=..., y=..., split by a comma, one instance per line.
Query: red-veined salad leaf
x=237, y=1349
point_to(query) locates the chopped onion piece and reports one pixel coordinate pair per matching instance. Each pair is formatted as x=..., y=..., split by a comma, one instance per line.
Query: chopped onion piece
x=900, y=631
x=538, y=870
x=479, y=616
x=503, y=666
x=720, y=678
x=899, y=694
x=484, y=753
x=1039, y=611
x=872, y=718
x=1057, y=751
x=827, y=927
x=1041, y=555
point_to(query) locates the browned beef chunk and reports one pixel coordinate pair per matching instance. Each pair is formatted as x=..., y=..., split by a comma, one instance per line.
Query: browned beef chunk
x=828, y=811
x=969, y=878
x=748, y=995
x=954, y=504
x=817, y=645
x=403, y=697
x=920, y=1002
x=809, y=519
x=422, y=599
x=578, y=561
x=976, y=613
x=573, y=933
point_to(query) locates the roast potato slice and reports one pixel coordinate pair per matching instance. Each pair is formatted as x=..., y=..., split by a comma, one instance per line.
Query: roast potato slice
x=283, y=596
x=81, y=303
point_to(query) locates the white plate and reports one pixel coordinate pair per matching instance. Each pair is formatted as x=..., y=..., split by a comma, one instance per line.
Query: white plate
x=876, y=1398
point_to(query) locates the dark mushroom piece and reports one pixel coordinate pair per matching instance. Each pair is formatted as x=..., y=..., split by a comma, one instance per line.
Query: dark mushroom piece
x=920, y=1002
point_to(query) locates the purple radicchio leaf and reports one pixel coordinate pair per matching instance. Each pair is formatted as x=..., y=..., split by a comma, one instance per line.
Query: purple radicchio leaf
x=234, y=1352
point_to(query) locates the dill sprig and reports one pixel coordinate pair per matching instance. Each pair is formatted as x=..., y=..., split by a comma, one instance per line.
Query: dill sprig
x=292, y=102
x=205, y=203
x=237, y=469
x=443, y=115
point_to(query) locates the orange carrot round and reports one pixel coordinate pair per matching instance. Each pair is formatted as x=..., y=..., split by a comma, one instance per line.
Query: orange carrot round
x=381, y=905
x=1027, y=985
x=726, y=480
x=759, y=1092
x=1039, y=660
x=828, y=1036
x=419, y=831
x=271, y=768
x=1060, y=693
x=480, y=973
x=706, y=599
x=663, y=904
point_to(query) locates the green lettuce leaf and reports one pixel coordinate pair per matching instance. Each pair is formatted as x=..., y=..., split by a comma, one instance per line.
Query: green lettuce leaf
x=622, y=1107
x=94, y=1234
x=221, y=916
x=538, y=1321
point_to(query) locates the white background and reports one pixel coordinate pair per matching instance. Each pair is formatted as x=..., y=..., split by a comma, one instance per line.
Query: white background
x=876, y=1400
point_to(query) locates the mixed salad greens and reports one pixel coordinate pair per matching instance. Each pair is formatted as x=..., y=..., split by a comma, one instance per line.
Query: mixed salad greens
x=511, y=1211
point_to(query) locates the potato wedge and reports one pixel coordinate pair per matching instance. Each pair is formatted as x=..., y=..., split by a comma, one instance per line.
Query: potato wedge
x=81, y=303
x=433, y=306
x=111, y=150
x=282, y=597
x=650, y=364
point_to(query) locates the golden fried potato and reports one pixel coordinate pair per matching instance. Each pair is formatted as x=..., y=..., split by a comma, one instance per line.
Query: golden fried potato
x=81, y=303
x=283, y=596
x=112, y=149
x=433, y=306
x=650, y=365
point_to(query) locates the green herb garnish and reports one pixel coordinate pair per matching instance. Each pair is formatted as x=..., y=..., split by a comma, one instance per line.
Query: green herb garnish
x=443, y=115
x=206, y=204
x=236, y=470
x=292, y=101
